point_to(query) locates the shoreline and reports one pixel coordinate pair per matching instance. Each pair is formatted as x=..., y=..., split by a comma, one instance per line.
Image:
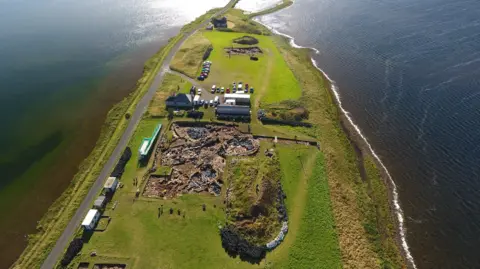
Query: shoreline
x=362, y=144
x=351, y=133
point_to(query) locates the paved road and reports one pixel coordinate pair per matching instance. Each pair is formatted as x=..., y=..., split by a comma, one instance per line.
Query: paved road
x=67, y=234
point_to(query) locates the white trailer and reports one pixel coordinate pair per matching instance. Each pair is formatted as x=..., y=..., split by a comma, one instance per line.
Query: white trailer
x=241, y=99
x=196, y=100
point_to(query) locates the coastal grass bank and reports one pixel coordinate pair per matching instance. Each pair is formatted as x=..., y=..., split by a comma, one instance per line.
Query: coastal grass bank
x=336, y=200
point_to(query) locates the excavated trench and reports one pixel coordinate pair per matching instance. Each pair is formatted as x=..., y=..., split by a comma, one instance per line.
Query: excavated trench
x=197, y=157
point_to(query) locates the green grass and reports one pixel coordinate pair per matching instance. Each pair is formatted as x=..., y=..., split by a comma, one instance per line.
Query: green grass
x=242, y=179
x=351, y=204
x=270, y=76
x=189, y=58
x=169, y=241
x=240, y=22
x=316, y=245
x=171, y=84
x=162, y=170
x=311, y=225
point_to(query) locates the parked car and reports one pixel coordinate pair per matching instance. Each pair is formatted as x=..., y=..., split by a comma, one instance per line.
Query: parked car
x=218, y=90
x=251, y=90
x=246, y=86
x=205, y=105
x=201, y=78
x=202, y=102
x=228, y=90
x=245, y=91
x=216, y=101
x=222, y=89
x=199, y=92
x=234, y=90
x=213, y=88
x=211, y=102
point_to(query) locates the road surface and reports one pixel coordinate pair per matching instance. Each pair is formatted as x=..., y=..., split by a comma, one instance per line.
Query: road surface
x=67, y=234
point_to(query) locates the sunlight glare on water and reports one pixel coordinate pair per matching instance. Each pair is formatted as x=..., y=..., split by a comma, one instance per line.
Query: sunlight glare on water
x=181, y=11
x=256, y=5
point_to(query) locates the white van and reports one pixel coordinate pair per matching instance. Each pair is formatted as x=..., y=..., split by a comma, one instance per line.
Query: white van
x=216, y=100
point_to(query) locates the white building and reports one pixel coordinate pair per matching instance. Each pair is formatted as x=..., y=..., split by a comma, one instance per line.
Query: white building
x=241, y=99
x=91, y=219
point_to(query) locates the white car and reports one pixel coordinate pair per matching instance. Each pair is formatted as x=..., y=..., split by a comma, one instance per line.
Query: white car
x=199, y=92
x=211, y=102
x=214, y=88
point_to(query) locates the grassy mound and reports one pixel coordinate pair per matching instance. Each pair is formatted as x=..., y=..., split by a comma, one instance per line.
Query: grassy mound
x=252, y=198
x=190, y=56
x=242, y=23
x=246, y=40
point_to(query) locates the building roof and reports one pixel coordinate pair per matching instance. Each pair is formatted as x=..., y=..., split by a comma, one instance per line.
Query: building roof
x=99, y=201
x=147, y=142
x=233, y=110
x=180, y=98
x=237, y=95
x=110, y=182
x=87, y=221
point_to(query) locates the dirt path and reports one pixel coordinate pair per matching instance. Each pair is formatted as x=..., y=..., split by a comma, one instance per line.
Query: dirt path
x=69, y=231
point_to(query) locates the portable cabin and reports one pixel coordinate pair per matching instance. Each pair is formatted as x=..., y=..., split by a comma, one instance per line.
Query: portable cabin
x=241, y=99
x=111, y=184
x=91, y=219
x=100, y=202
x=196, y=100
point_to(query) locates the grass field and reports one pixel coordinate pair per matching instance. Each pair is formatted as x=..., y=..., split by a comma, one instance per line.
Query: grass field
x=270, y=76
x=336, y=220
x=190, y=56
x=171, y=83
x=354, y=203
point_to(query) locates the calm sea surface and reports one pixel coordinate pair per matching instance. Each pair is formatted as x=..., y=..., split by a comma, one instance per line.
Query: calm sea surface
x=409, y=72
x=63, y=64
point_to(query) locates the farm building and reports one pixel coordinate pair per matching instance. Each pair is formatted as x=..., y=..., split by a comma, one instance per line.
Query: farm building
x=148, y=142
x=100, y=202
x=232, y=112
x=180, y=100
x=91, y=219
x=220, y=22
x=111, y=184
x=241, y=99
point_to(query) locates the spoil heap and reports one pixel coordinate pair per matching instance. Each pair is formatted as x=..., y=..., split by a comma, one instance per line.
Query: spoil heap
x=197, y=157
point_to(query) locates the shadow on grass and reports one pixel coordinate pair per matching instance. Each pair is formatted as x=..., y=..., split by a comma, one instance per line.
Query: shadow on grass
x=235, y=245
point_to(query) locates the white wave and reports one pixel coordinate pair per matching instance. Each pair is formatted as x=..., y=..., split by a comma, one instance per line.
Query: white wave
x=334, y=88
